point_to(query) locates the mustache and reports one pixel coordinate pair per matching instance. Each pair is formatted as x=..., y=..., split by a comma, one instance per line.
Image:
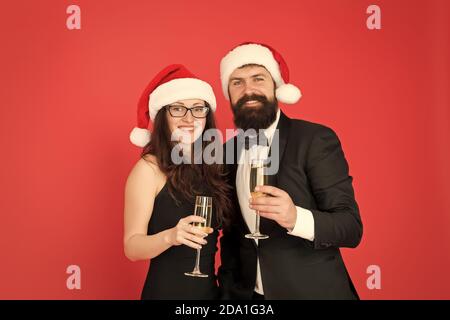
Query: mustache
x=246, y=98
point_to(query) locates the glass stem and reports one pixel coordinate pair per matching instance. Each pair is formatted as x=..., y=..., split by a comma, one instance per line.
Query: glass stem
x=197, y=262
x=257, y=223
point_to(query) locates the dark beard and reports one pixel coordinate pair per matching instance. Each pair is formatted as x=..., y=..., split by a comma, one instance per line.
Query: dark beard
x=254, y=117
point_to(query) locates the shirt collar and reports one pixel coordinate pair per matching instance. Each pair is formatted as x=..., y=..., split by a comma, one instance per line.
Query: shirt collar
x=270, y=131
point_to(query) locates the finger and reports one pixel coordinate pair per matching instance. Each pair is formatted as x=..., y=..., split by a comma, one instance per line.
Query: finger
x=274, y=191
x=200, y=231
x=269, y=215
x=271, y=209
x=271, y=201
x=190, y=244
x=209, y=230
x=192, y=218
x=193, y=238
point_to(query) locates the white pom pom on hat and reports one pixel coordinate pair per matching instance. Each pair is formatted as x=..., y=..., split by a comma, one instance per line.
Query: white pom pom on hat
x=173, y=83
x=264, y=55
x=140, y=137
x=288, y=93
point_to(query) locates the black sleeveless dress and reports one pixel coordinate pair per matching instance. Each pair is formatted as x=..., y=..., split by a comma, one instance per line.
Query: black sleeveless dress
x=165, y=278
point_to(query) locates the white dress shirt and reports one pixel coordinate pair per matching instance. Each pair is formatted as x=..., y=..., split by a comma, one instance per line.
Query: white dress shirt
x=304, y=225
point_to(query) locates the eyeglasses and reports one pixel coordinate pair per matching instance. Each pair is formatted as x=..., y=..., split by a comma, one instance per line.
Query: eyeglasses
x=178, y=111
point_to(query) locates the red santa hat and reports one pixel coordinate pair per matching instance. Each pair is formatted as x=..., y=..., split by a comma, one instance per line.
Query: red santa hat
x=172, y=84
x=260, y=54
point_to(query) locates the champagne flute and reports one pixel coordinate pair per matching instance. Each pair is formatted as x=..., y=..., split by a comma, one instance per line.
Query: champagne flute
x=258, y=177
x=203, y=208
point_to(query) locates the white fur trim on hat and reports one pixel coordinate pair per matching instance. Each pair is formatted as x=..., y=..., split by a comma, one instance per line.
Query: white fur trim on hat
x=248, y=54
x=180, y=89
x=254, y=53
x=140, y=137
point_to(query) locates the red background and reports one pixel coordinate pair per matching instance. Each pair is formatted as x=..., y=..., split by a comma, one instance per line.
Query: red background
x=68, y=103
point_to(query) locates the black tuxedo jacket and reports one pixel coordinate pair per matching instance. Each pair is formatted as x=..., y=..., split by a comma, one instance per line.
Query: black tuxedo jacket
x=314, y=172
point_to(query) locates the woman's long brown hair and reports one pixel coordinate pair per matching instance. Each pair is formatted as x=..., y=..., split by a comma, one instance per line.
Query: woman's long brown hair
x=184, y=178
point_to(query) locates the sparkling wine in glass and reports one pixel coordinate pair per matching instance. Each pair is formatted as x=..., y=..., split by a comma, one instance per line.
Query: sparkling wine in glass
x=258, y=177
x=203, y=208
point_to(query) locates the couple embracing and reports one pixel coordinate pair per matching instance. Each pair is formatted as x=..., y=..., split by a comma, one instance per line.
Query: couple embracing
x=283, y=245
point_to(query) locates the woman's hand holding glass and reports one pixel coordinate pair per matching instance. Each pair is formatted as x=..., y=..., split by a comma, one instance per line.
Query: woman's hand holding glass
x=185, y=233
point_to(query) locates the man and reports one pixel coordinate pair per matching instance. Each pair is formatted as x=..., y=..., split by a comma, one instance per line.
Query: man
x=311, y=210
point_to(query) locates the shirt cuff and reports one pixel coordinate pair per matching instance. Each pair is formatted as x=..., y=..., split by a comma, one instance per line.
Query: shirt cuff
x=304, y=226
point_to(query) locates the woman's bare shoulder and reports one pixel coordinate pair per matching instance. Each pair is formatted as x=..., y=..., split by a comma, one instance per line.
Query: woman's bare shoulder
x=146, y=171
x=150, y=159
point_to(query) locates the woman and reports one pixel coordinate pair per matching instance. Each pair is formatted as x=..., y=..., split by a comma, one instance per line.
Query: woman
x=160, y=194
